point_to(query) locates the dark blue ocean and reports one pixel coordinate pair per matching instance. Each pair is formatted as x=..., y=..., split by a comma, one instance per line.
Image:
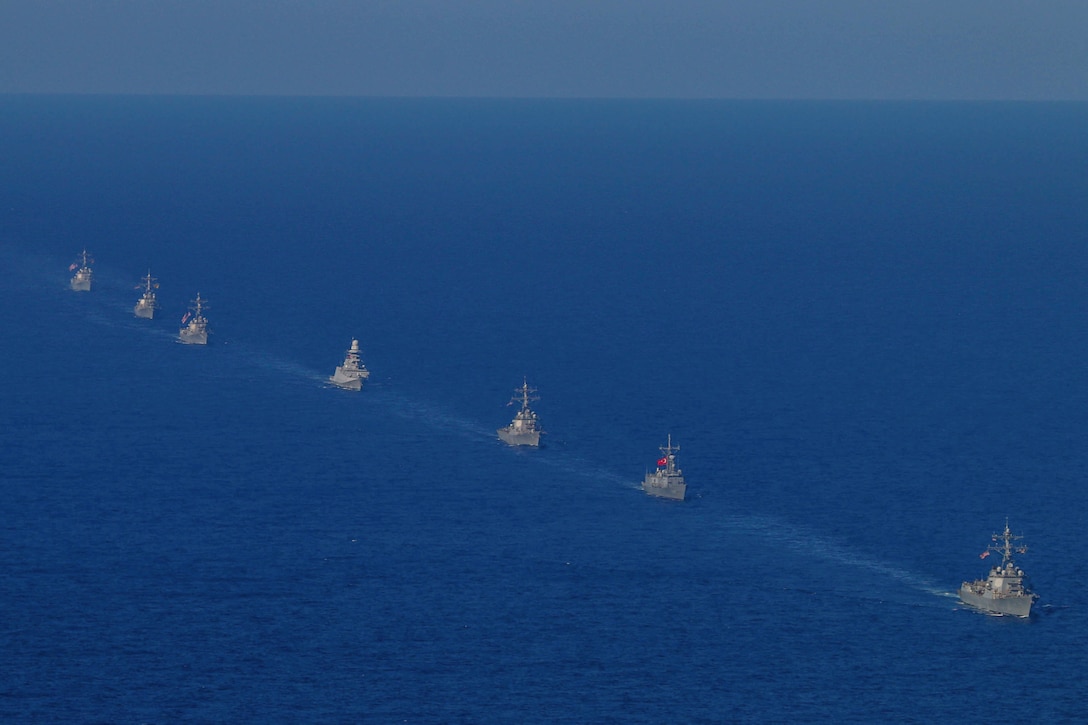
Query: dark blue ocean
x=866, y=324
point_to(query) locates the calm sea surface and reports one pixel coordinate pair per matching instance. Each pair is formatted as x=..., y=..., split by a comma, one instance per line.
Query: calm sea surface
x=865, y=324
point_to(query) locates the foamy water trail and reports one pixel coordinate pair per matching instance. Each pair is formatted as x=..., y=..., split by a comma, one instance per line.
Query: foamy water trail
x=809, y=543
x=433, y=416
x=112, y=311
x=443, y=420
x=578, y=467
x=279, y=365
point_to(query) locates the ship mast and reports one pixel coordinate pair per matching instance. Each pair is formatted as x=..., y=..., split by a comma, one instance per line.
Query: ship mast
x=149, y=283
x=670, y=458
x=1003, y=545
x=526, y=395
x=198, y=307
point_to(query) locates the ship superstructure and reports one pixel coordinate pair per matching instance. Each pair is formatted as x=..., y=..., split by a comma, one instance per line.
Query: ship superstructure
x=353, y=372
x=1003, y=591
x=524, y=430
x=84, y=275
x=668, y=480
x=146, y=305
x=194, y=329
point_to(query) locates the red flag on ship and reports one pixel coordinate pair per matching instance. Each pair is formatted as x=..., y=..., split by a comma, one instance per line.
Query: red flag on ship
x=185, y=319
x=983, y=555
x=72, y=266
x=663, y=461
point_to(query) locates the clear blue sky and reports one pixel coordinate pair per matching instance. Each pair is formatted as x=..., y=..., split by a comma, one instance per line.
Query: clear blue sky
x=864, y=49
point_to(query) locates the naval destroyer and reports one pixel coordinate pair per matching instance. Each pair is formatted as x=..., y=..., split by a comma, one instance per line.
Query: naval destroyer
x=81, y=282
x=668, y=480
x=352, y=373
x=1003, y=590
x=196, y=331
x=146, y=305
x=524, y=430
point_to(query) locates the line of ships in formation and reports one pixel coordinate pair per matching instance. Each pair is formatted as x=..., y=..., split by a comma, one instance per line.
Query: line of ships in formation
x=1003, y=591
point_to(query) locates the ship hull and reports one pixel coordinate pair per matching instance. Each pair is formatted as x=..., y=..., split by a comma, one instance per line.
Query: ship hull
x=1018, y=606
x=673, y=491
x=144, y=311
x=665, y=487
x=514, y=438
x=348, y=382
x=193, y=337
x=81, y=284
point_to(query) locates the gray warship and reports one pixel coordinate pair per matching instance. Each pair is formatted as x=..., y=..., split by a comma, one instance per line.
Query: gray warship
x=1003, y=590
x=352, y=373
x=668, y=480
x=195, y=327
x=524, y=430
x=146, y=305
x=81, y=282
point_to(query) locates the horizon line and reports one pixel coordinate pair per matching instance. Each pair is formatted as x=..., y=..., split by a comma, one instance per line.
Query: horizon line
x=417, y=97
